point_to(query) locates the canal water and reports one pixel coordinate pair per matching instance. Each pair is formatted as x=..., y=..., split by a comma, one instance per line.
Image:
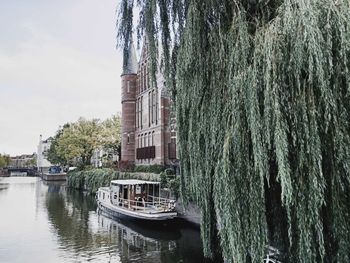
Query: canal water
x=46, y=222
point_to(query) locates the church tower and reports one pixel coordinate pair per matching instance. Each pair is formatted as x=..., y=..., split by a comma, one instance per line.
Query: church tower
x=128, y=94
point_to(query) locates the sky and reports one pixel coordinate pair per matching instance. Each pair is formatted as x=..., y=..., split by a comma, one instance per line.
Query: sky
x=58, y=62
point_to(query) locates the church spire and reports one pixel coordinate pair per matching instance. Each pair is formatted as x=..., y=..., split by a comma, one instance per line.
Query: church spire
x=130, y=66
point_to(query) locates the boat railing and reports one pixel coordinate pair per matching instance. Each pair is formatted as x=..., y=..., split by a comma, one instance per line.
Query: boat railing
x=157, y=199
x=153, y=203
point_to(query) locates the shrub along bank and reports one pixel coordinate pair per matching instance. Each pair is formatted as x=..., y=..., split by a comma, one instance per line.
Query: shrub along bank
x=91, y=180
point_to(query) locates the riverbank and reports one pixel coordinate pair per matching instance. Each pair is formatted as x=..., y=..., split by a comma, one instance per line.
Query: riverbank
x=4, y=173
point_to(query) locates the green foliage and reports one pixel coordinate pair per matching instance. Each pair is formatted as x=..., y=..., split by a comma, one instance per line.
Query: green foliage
x=174, y=185
x=262, y=99
x=168, y=180
x=163, y=179
x=155, y=168
x=52, y=155
x=169, y=171
x=93, y=178
x=79, y=140
x=76, y=179
x=4, y=160
x=110, y=134
x=75, y=142
x=31, y=162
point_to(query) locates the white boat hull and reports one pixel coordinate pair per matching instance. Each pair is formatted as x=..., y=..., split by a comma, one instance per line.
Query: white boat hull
x=121, y=212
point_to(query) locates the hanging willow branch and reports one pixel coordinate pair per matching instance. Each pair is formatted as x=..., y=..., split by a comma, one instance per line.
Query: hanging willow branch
x=262, y=92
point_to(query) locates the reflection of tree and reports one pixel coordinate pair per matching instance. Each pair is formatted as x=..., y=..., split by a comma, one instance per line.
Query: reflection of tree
x=187, y=249
x=4, y=186
x=70, y=219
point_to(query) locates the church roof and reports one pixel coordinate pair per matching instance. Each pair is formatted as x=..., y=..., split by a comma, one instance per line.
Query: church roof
x=131, y=65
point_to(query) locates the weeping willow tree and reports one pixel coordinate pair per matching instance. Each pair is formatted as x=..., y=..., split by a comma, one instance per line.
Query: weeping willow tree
x=262, y=91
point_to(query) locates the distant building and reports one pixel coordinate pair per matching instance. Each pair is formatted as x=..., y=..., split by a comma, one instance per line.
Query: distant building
x=96, y=159
x=23, y=161
x=43, y=148
x=147, y=137
x=101, y=157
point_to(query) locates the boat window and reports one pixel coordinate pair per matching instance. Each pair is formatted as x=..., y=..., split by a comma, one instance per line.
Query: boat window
x=115, y=196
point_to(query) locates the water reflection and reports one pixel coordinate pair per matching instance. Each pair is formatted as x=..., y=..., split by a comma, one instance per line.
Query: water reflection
x=47, y=222
x=3, y=186
x=135, y=244
x=176, y=243
x=85, y=235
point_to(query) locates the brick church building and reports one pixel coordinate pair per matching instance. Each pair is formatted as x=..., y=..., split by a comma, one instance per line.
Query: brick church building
x=147, y=136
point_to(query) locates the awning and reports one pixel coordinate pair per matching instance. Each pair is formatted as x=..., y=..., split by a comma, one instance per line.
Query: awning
x=132, y=182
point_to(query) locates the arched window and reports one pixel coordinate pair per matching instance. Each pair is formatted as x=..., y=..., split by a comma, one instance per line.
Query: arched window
x=146, y=72
x=153, y=106
x=141, y=107
x=128, y=138
x=144, y=77
x=149, y=109
x=152, y=140
x=137, y=114
x=149, y=139
x=155, y=102
x=156, y=107
x=141, y=79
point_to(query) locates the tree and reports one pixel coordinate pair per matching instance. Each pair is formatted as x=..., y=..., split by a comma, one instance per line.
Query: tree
x=4, y=160
x=52, y=154
x=76, y=142
x=110, y=135
x=263, y=108
x=31, y=162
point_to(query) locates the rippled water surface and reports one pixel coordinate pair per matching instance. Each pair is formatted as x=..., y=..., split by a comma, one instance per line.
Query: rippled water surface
x=45, y=222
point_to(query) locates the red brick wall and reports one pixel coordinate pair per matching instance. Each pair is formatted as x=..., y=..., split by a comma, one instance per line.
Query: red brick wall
x=128, y=117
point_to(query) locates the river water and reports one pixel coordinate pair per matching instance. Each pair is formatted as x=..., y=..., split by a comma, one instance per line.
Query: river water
x=46, y=222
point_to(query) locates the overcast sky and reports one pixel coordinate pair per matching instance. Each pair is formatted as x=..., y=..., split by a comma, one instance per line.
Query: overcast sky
x=58, y=62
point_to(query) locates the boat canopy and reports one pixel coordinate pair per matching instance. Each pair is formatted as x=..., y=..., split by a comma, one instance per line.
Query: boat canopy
x=132, y=182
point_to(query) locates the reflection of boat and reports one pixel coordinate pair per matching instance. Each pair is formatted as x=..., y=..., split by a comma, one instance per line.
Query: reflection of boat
x=136, y=246
x=156, y=232
x=131, y=230
x=135, y=199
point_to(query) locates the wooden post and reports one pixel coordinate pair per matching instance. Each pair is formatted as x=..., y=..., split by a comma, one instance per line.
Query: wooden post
x=129, y=194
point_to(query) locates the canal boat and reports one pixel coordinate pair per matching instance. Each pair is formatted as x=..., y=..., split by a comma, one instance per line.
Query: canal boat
x=135, y=199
